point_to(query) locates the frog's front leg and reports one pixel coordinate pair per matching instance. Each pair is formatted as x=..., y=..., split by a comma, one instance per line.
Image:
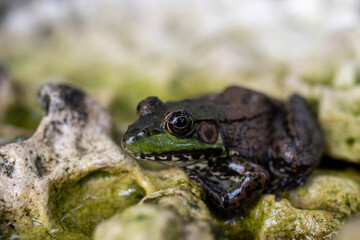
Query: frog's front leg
x=229, y=184
x=296, y=145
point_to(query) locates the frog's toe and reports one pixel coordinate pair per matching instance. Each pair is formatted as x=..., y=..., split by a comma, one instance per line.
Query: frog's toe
x=278, y=186
x=275, y=187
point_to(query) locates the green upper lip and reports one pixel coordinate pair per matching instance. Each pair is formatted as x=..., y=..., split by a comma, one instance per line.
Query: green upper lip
x=174, y=153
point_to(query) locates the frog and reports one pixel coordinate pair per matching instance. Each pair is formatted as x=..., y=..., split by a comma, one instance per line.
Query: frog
x=236, y=145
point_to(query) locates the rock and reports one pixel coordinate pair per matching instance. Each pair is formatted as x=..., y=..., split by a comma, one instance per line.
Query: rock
x=314, y=211
x=172, y=213
x=329, y=190
x=138, y=223
x=181, y=201
x=151, y=222
x=71, y=143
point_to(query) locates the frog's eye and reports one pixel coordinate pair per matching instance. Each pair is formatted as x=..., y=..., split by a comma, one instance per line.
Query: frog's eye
x=146, y=106
x=179, y=123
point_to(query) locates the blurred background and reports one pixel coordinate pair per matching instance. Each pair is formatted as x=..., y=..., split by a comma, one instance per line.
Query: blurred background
x=123, y=51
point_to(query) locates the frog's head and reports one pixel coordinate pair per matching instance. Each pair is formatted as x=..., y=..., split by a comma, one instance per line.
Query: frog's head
x=177, y=133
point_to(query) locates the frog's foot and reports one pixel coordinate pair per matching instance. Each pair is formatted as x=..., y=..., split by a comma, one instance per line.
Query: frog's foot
x=284, y=184
x=229, y=184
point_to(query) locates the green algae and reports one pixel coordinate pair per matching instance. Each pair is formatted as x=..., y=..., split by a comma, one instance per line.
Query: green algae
x=269, y=219
x=342, y=138
x=314, y=211
x=172, y=213
x=98, y=196
x=77, y=209
x=329, y=191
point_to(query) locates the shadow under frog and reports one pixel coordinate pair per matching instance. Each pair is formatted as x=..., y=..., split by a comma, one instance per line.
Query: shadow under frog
x=236, y=144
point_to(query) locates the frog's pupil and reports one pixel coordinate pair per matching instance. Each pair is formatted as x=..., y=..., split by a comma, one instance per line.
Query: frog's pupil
x=180, y=122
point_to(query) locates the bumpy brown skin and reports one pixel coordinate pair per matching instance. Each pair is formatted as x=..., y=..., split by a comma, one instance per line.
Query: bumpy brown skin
x=267, y=140
x=270, y=145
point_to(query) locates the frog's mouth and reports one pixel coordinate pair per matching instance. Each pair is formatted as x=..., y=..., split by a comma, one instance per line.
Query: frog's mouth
x=183, y=156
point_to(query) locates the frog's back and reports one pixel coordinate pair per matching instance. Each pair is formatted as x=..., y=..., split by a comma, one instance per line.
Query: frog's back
x=245, y=118
x=237, y=103
x=234, y=104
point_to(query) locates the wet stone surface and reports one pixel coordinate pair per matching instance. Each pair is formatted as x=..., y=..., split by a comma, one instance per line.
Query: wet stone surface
x=173, y=213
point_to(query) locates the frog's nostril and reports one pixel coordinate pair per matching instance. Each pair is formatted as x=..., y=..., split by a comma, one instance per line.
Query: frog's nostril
x=146, y=132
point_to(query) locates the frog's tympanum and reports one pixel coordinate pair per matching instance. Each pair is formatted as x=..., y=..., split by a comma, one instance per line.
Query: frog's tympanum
x=236, y=144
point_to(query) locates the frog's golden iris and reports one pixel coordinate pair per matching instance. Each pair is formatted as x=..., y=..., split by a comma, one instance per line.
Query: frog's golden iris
x=179, y=123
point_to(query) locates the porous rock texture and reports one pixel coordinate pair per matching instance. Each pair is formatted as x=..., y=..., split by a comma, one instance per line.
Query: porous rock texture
x=72, y=140
x=172, y=213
